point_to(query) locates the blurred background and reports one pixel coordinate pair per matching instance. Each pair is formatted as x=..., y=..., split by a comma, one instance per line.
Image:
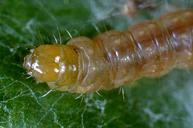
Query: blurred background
x=165, y=102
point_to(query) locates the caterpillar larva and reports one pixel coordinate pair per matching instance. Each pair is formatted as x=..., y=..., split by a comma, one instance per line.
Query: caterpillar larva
x=151, y=49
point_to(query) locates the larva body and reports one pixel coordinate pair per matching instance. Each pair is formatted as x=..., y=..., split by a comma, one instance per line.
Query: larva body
x=150, y=49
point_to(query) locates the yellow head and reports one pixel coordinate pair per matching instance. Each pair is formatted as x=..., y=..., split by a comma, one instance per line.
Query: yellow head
x=55, y=64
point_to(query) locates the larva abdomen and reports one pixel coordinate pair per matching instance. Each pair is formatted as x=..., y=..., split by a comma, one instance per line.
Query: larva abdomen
x=113, y=58
x=151, y=48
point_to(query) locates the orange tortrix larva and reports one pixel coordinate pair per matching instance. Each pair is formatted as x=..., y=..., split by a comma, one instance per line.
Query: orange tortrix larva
x=111, y=59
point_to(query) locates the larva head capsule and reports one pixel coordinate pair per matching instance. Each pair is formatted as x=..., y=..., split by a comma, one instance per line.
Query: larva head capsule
x=56, y=65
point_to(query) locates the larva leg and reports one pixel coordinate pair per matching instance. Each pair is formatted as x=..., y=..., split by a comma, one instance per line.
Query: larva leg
x=111, y=59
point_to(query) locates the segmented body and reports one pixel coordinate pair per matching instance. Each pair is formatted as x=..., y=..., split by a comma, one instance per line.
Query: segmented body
x=150, y=49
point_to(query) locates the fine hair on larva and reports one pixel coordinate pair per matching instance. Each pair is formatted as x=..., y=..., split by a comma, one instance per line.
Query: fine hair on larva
x=111, y=59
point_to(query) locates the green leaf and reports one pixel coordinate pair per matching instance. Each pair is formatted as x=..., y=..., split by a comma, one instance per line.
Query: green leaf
x=24, y=24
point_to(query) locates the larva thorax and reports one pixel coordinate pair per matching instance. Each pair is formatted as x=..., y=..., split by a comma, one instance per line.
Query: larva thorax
x=113, y=58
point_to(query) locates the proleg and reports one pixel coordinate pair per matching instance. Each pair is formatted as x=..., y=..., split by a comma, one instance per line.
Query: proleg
x=111, y=59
